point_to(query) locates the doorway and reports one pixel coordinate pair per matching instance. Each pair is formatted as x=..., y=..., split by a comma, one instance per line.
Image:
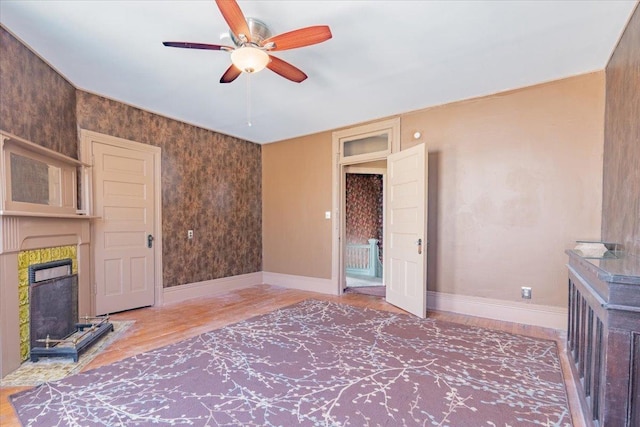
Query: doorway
x=404, y=218
x=125, y=199
x=359, y=150
x=364, y=228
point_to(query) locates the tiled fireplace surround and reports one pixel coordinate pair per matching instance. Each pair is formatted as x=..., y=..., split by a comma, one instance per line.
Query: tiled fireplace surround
x=20, y=233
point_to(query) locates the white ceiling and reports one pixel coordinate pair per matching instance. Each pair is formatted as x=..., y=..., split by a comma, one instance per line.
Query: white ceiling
x=385, y=57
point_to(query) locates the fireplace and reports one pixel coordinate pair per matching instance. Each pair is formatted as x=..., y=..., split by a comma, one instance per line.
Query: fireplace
x=30, y=221
x=53, y=308
x=44, y=239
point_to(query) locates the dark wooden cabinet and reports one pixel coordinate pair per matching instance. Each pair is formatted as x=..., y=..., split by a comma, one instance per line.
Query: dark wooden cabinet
x=603, y=337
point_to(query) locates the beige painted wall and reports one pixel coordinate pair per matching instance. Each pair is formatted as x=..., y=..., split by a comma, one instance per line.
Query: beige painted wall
x=296, y=193
x=515, y=179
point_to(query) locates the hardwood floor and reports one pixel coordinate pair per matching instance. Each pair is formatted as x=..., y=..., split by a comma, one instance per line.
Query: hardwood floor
x=159, y=326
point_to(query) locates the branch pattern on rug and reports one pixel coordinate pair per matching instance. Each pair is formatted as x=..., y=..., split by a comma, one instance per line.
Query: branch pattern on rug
x=319, y=363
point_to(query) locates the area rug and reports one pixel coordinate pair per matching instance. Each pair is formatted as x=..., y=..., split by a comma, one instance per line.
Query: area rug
x=318, y=363
x=55, y=368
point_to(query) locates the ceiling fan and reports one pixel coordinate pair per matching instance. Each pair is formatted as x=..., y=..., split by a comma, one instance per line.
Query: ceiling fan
x=253, y=44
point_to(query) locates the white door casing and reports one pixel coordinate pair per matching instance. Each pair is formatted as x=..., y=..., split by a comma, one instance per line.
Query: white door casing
x=405, y=251
x=125, y=178
x=391, y=128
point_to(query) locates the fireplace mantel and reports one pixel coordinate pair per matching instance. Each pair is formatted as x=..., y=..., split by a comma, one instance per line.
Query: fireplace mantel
x=38, y=210
x=26, y=232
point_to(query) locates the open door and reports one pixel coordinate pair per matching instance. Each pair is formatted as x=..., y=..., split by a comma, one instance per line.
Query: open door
x=405, y=254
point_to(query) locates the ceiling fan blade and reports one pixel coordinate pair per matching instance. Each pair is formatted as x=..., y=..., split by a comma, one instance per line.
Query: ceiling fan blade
x=230, y=75
x=189, y=45
x=299, y=38
x=286, y=70
x=235, y=18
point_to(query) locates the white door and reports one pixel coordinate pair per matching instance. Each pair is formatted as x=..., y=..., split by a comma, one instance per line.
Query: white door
x=405, y=260
x=124, y=201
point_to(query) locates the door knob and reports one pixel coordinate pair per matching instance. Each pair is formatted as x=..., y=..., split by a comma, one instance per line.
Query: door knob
x=419, y=243
x=149, y=241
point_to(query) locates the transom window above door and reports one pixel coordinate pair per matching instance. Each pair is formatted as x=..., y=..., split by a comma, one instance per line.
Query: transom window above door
x=369, y=142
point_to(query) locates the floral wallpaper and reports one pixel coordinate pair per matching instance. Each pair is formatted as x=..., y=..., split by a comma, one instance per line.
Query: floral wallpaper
x=621, y=178
x=211, y=183
x=36, y=102
x=364, y=209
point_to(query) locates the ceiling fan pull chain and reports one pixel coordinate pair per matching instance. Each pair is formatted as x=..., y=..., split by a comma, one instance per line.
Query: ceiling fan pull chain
x=249, y=99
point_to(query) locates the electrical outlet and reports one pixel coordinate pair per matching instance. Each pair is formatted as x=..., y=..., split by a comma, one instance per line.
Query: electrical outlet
x=190, y=234
x=526, y=292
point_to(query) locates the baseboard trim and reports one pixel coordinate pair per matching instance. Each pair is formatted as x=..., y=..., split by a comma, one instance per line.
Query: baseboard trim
x=209, y=288
x=303, y=283
x=509, y=311
x=545, y=316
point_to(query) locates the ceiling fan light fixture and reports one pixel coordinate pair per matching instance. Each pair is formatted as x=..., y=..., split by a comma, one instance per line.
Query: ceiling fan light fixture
x=249, y=59
x=252, y=42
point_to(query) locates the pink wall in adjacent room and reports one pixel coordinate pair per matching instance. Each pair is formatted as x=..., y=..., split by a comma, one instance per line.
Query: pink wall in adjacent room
x=363, y=208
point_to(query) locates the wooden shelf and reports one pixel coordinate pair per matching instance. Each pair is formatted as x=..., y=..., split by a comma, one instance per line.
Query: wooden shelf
x=47, y=215
x=28, y=145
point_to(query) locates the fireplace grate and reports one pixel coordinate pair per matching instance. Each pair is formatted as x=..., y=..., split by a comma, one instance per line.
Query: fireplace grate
x=72, y=347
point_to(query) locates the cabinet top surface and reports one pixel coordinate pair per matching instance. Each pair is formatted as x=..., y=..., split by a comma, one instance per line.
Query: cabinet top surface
x=621, y=267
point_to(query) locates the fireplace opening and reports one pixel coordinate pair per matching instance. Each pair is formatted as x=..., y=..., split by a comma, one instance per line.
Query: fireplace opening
x=53, y=301
x=53, y=310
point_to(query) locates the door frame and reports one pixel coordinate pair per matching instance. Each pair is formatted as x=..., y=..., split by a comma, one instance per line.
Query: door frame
x=392, y=126
x=86, y=155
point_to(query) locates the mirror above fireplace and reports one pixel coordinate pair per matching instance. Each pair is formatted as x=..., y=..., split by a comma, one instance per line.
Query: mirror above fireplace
x=36, y=181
